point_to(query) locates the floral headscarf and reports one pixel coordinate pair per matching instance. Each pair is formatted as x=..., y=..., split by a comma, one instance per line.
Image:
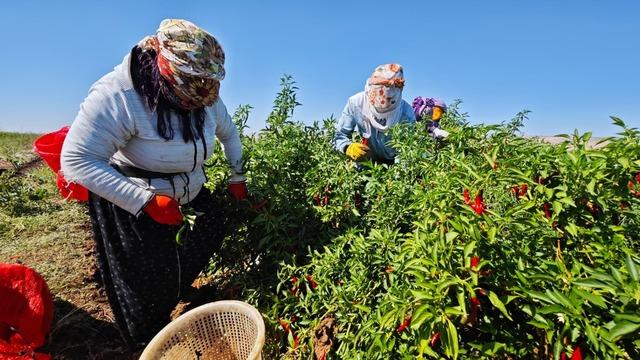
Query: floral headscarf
x=383, y=92
x=190, y=59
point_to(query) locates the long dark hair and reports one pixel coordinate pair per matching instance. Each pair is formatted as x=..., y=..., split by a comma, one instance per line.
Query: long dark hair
x=149, y=84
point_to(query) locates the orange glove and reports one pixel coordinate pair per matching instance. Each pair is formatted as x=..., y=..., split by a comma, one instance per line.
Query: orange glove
x=164, y=210
x=238, y=190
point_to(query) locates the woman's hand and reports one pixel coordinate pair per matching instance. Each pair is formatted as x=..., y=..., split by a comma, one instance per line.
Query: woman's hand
x=164, y=210
x=357, y=151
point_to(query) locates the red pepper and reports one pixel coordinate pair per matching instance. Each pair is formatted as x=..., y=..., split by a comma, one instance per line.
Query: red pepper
x=316, y=199
x=326, y=198
x=434, y=339
x=563, y=356
x=474, y=306
x=577, y=354
x=294, y=318
x=479, y=206
x=514, y=190
x=475, y=260
x=405, y=324
x=467, y=198
x=312, y=283
x=523, y=190
x=285, y=325
x=546, y=208
x=638, y=177
x=296, y=341
x=294, y=289
x=365, y=141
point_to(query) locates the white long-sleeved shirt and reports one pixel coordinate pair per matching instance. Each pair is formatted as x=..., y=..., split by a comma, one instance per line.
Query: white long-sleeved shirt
x=114, y=125
x=352, y=120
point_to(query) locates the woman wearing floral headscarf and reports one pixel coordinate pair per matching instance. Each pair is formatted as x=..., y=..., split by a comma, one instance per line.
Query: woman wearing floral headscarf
x=139, y=144
x=372, y=113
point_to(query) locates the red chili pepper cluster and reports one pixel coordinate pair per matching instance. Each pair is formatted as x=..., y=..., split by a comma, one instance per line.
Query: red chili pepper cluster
x=478, y=205
x=322, y=200
x=519, y=191
x=404, y=325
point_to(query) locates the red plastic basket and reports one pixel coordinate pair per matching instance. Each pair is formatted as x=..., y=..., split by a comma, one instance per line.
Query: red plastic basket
x=49, y=147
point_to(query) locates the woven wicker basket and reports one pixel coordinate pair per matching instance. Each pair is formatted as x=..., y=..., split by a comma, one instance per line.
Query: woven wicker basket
x=223, y=330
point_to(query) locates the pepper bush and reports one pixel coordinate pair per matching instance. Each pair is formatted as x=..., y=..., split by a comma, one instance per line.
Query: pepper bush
x=485, y=245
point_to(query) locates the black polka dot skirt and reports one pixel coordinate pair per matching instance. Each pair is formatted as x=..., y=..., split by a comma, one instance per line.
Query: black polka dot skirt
x=143, y=270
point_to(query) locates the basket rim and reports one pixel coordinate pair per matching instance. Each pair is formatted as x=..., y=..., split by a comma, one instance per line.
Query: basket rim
x=218, y=306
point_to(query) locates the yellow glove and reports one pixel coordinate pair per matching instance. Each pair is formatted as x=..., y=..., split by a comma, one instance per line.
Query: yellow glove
x=357, y=151
x=437, y=113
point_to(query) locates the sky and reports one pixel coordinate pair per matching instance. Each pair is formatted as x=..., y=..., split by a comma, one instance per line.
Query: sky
x=572, y=63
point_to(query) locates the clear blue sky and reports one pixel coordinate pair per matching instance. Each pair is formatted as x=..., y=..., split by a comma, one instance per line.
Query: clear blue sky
x=573, y=63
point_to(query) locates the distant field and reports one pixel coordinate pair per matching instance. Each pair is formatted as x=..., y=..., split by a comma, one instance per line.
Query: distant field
x=15, y=148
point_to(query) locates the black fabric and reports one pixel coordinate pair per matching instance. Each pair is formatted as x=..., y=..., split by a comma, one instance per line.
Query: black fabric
x=143, y=270
x=132, y=171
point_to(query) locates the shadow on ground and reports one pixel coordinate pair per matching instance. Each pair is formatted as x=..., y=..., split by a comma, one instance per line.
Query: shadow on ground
x=76, y=334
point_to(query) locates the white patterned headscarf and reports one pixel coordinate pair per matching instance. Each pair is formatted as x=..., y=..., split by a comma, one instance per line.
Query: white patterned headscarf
x=383, y=92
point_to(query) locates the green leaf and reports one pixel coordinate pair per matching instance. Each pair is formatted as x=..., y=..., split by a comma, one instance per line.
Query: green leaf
x=451, y=340
x=591, y=187
x=420, y=315
x=630, y=317
x=591, y=335
x=495, y=301
x=553, y=309
x=623, y=328
x=591, y=283
x=633, y=270
x=362, y=308
x=572, y=229
x=451, y=235
x=590, y=297
x=469, y=248
x=624, y=162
